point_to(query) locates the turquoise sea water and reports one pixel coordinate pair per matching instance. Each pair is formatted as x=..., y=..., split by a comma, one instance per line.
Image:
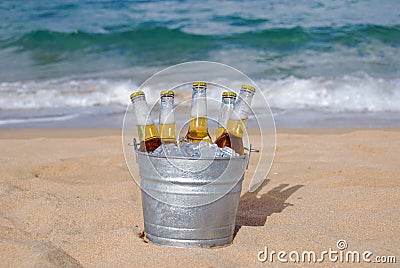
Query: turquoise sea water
x=61, y=58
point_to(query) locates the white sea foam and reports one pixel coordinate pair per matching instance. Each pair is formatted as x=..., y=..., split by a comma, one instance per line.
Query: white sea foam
x=345, y=94
x=64, y=93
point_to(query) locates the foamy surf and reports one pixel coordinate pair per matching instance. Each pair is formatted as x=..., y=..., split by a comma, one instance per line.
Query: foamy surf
x=332, y=95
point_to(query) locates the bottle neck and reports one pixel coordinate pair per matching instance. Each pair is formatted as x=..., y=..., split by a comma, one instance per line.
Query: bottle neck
x=167, y=113
x=199, y=102
x=141, y=111
x=228, y=100
x=226, y=108
x=242, y=108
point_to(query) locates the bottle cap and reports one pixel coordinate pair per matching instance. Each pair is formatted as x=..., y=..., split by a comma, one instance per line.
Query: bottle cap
x=167, y=93
x=228, y=94
x=249, y=88
x=135, y=94
x=199, y=84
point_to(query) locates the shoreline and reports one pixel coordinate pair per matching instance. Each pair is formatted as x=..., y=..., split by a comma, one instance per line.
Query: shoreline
x=110, y=117
x=32, y=133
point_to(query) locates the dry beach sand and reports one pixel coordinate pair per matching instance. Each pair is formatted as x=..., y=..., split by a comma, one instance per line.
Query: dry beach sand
x=67, y=199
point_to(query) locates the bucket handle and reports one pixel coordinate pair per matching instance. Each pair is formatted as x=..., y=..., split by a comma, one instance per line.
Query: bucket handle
x=250, y=150
x=135, y=145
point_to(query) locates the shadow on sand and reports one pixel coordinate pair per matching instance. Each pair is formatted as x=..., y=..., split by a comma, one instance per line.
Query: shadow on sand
x=253, y=210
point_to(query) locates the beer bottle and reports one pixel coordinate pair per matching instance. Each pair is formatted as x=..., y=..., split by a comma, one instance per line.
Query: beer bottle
x=167, y=117
x=228, y=100
x=198, y=125
x=237, y=121
x=147, y=131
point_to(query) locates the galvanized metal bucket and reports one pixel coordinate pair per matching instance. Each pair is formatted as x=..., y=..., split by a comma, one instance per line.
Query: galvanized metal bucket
x=189, y=202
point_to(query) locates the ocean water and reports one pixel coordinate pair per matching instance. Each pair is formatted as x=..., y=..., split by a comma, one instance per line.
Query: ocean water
x=74, y=63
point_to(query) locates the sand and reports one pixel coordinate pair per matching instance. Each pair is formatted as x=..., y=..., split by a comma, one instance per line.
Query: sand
x=67, y=199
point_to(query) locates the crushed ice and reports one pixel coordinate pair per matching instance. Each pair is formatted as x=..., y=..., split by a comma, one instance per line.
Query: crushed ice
x=194, y=150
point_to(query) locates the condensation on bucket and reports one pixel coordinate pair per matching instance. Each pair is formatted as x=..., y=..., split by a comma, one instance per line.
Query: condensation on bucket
x=190, y=202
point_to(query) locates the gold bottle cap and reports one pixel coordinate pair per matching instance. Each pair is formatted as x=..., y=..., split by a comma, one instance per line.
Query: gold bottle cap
x=199, y=84
x=229, y=94
x=249, y=88
x=135, y=94
x=167, y=92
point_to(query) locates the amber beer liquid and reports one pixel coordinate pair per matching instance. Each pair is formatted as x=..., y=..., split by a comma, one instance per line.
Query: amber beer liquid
x=167, y=133
x=198, y=124
x=147, y=131
x=228, y=100
x=167, y=117
x=148, y=137
x=198, y=130
x=233, y=138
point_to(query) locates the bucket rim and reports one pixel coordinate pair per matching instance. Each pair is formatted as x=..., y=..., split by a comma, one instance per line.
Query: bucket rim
x=241, y=157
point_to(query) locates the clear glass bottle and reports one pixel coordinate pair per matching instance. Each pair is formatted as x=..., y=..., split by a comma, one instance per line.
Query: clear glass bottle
x=147, y=131
x=237, y=121
x=167, y=125
x=198, y=125
x=228, y=100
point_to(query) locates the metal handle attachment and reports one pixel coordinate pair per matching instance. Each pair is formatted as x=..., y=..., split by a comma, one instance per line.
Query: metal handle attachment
x=251, y=150
x=135, y=145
